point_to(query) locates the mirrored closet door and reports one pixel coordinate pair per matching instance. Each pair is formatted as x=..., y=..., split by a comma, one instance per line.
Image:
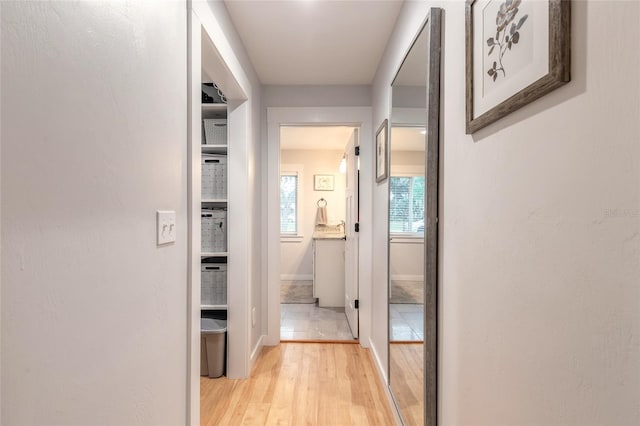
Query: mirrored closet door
x=413, y=185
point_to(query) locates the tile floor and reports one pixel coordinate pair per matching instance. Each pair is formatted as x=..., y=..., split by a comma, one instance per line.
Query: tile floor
x=407, y=321
x=308, y=321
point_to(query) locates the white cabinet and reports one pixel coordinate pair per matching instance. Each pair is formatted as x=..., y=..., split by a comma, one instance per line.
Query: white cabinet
x=328, y=272
x=214, y=255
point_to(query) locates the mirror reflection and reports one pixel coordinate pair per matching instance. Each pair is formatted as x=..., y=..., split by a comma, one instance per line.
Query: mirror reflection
x=407, y=187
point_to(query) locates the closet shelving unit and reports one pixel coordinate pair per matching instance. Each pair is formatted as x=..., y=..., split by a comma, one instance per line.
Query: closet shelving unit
x=215, y=111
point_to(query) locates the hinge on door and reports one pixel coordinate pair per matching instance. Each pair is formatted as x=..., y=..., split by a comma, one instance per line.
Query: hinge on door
x=356, y=304
x=357, y=151
x=357, y=227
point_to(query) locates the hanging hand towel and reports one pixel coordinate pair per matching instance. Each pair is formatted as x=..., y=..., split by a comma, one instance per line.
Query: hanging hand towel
x=321, y=216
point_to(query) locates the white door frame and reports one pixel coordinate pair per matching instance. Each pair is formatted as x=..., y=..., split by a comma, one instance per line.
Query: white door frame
x=329, y=116
x=209, y=51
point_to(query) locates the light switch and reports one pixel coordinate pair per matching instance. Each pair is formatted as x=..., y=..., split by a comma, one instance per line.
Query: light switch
x=166, y=228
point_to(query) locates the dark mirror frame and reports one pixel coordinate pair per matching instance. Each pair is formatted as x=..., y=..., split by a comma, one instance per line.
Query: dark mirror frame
x=432, y=168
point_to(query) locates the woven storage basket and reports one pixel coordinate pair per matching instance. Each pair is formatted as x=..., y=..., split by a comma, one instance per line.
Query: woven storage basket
x=214, y=176
x=213, y=290
x=214, y=230
x=215, y=131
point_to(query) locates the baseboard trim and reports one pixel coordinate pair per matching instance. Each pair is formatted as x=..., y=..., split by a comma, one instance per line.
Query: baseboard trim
x=255, y=353
x=296, y=277
x=385, y=384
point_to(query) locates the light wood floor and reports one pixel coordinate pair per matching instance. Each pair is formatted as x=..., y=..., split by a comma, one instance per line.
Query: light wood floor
x=406, y=374
x=300, y=384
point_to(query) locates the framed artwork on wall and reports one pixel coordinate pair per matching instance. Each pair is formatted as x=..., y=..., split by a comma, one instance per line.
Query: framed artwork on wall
x=516, y=52
x=323, y=182
x=382, y=155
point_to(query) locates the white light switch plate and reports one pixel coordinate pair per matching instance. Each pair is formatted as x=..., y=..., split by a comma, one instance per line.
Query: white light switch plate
x=166, y=226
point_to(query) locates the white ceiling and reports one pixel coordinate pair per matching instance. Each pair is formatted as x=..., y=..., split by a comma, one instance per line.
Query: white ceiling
x=407, y=138
x=403, y=138
x=309, y=137
x=316, y=42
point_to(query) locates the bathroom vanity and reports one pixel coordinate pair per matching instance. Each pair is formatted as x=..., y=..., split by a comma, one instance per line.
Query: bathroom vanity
x=328, y=269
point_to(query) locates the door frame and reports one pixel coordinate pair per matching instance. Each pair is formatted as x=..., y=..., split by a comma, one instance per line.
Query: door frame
x=209, y=52
x=314, y=116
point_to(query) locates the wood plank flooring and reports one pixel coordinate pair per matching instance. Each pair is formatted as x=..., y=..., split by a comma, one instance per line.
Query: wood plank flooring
x=407, y=380
x=300, y=384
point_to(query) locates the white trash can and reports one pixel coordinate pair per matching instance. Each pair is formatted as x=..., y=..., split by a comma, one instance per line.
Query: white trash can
x=213, y=334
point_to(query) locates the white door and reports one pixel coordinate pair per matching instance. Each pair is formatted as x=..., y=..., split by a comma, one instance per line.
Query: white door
x=351, y=244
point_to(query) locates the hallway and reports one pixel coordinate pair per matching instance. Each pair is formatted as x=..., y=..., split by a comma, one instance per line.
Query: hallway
x=300, y=383
x=533, y=312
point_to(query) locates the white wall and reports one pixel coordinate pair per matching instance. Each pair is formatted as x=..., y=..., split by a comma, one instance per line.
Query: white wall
x=406, y=259
x=540, y=234
x=296, y=258
x=93, y=143
x=316, y=96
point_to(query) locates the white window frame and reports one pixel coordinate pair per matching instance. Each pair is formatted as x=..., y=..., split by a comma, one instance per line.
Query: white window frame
x=297, y=170
x=406, y=171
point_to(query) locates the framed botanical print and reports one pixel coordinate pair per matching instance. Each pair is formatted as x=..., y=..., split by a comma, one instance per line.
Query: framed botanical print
x=516, y=52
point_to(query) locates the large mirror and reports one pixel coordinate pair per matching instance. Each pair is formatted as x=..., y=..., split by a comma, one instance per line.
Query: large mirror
x=413, y=185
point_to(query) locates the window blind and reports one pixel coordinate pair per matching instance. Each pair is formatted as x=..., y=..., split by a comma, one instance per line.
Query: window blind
x=406, y=204
x=289, y=203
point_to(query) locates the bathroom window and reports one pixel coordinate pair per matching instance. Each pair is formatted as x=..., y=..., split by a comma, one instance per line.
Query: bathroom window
x=290, y=200
x=289, y=204
x=406, y=205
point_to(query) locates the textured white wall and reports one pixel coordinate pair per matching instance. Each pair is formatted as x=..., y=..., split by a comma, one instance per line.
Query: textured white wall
x=93, y=143
x=296, y=258
x=540, y=234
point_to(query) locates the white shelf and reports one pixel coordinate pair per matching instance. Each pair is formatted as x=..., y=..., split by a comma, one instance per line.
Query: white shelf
x=214, y=307
x=216, y=201
x=214, y=254
x=214, y=149
x=214, y=107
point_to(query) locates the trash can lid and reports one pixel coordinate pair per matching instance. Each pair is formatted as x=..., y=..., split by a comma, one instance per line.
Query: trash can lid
x=212, y=326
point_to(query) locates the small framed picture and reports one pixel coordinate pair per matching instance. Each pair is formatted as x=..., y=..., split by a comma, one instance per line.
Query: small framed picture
x=382, y=157
x=323, y=182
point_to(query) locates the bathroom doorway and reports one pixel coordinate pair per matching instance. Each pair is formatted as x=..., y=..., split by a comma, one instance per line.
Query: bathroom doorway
x=318, y=239
x=355, y=117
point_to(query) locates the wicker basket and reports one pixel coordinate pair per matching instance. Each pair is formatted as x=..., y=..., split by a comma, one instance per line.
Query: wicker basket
x=214, y=230
x=214, y=176
x=215, y=131
x=213, y=290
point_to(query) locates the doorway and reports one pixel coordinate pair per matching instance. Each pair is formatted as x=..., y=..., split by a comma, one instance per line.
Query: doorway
x=218, y=244
x=318, y=210
x=321, y=117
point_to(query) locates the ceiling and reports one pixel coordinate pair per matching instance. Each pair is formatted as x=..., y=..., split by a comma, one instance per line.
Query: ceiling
x=314, y=42
x=315, y=137
x=403, y=138
x=407, y=138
